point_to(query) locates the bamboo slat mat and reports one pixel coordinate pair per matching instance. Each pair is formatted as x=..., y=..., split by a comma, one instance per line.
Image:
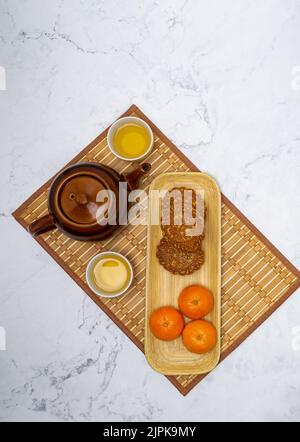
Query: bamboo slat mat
x=256, y=278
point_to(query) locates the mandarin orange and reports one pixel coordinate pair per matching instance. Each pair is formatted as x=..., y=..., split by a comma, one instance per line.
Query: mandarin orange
x=196, y=301
x=199, y=336
x=166, y=323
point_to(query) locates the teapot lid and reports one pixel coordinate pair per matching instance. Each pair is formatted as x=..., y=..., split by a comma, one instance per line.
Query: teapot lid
x=78, y=198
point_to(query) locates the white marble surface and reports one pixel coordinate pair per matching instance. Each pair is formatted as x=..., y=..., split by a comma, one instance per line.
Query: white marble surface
x=216, y=77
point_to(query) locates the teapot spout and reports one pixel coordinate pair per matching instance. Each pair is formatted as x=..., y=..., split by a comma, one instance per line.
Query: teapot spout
x=133, y=177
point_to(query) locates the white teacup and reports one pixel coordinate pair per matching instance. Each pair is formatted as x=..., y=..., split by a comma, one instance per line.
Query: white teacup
x=90, y=280
x=121, y=122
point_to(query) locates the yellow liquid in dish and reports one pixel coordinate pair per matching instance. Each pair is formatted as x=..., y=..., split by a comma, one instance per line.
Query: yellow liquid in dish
x=131, y=140
x=111, y=274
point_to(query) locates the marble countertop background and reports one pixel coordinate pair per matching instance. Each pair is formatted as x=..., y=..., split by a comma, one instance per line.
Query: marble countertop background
x=221, y=80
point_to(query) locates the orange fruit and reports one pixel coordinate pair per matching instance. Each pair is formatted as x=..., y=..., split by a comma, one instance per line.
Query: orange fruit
x=166, y=323
x=196, y=301
x=199, y=336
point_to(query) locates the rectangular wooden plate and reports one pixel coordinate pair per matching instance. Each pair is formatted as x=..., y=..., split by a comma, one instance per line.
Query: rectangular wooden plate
x=163, y=288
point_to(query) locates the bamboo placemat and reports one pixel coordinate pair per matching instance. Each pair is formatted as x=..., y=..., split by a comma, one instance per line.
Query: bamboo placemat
x=256, y=277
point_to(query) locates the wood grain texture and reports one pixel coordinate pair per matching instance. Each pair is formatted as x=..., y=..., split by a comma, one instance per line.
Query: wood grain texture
x=163, y=288
x=256, y=277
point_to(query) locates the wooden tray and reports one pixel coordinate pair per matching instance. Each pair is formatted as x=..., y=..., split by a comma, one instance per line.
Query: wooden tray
x=163, y=288
x=256, y=277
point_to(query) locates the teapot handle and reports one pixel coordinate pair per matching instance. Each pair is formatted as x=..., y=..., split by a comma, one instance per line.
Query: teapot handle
x=41, y=225
x=133, y=177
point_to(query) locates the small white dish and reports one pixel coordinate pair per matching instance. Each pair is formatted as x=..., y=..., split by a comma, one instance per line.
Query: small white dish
x=94, y=287
x=121, y=122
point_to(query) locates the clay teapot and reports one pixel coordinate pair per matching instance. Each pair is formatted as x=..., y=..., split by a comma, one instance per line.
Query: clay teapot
x=72, y=200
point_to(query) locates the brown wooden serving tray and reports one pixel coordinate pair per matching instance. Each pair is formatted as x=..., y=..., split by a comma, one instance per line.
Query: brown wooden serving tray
x=163, y=288
x=256, y=277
